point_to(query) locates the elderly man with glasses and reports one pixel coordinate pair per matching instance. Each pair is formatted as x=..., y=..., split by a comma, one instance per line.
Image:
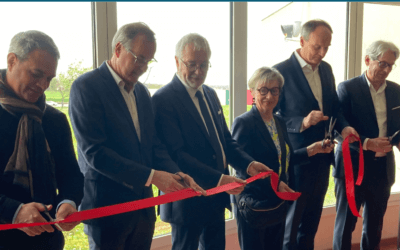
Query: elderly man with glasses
x=191, y=123
x=371, y=104
x=119, y=152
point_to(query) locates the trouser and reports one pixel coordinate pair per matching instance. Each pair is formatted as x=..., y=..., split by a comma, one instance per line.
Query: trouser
x=129, y=231
x=17, y=240
x=269, y=238
x=208, y=234
x=304, y=214
x=373, y=195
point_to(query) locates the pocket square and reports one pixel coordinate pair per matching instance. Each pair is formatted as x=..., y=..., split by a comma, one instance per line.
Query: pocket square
x=398, y=107
x=219, y=112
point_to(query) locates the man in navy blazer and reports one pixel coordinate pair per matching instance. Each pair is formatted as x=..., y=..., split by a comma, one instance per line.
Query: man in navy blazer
x=307, y=102
x=119, y=152
x=191, y=123
x=371, y=104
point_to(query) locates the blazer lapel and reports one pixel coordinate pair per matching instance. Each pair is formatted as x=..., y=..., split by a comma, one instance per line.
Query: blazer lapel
x=140, y=111
x=260, y=125
x=214, y=108
x=112, y=87
x=326, y=94
x=302, y=81
x=187, y=102
x=366, y=93
x=391, y=99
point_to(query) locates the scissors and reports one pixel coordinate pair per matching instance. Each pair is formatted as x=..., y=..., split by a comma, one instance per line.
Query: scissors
x=328, y=134
x=183, y=181
x=46, y=212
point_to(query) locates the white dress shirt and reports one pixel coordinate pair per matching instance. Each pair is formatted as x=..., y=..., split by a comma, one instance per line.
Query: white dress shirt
x=379, y=100
x=313, y=78
x=192, y=93
x=130, y=101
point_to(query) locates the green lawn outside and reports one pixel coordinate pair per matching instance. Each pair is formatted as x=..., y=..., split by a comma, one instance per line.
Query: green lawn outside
x=55, y=97
x=76, y=239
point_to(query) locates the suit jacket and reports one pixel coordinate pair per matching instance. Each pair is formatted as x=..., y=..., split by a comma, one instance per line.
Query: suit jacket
x=115, y=164
x=182, y=130
x=58, y=134
x=250, y=131
x=358, y=108
x=297, y=100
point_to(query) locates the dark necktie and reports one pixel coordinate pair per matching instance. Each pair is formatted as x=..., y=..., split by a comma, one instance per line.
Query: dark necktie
x=211, y=130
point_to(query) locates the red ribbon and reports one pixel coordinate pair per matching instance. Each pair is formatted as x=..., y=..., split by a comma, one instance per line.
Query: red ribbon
x=348, y=172
x=153, y=201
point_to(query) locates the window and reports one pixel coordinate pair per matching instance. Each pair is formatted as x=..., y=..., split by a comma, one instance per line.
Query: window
x=380, y=23
x=70, y=26
x=267, y=45
x=170, y=26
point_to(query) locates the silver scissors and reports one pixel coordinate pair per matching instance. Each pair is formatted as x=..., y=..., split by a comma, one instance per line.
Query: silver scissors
x=46, y=211
x=329, y=134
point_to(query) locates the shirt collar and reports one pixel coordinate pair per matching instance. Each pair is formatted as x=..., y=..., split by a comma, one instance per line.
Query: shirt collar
x=192, y=92
x=118, y=79
x=381, y=88
x=302, y=62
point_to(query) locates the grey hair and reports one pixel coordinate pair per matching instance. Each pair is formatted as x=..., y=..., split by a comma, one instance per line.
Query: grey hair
x=265, y=74
x=25, y=42
x=128, y=32
x=378, y=48
x=199, y=42
x=310, y=26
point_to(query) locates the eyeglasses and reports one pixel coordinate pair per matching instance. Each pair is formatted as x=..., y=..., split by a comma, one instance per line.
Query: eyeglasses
x=264, y=91
x=193, y=67
x=140, y=60
x=384, y=65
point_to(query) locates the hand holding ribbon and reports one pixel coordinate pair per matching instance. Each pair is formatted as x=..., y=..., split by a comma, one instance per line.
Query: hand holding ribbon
x=348, y=172
x=153, y=201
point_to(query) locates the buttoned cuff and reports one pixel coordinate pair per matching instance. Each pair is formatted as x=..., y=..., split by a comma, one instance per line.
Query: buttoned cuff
x=302, y=127
x=247, y=170
x=150, y=178
x=365, y=144
x=72, y=203
x=220, y=179
x=16, y=213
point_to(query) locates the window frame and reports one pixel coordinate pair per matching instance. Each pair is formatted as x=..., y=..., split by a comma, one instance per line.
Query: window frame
x=105, y=26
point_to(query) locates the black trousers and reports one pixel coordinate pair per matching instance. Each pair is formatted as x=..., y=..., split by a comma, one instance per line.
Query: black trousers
x=269, y=238
x=205, y=235
x=17, y=240
x=373, y=195
x=304, y=214
x=129, y=231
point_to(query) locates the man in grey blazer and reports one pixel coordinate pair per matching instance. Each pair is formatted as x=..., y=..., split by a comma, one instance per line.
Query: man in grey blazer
x=371, y=104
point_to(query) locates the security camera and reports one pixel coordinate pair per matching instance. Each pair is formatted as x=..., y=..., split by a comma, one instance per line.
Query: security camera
x=287, y=30
x=291, y=30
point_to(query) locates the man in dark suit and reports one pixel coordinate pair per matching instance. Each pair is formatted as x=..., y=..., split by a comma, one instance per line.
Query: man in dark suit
x=38, y=166
x=119, y=152
x=190, y=121
x=371, y=104
x=307, y=102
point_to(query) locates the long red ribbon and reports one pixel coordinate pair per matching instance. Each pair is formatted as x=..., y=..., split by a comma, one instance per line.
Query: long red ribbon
x=348, y=172
x=153, y=201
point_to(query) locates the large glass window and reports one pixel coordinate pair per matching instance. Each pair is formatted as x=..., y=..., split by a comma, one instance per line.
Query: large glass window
x=381, y=23
x=267, y=45
x=70, y=26
x=170, y=22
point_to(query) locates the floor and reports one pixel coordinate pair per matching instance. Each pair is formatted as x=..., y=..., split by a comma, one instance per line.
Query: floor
x=387, y=244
